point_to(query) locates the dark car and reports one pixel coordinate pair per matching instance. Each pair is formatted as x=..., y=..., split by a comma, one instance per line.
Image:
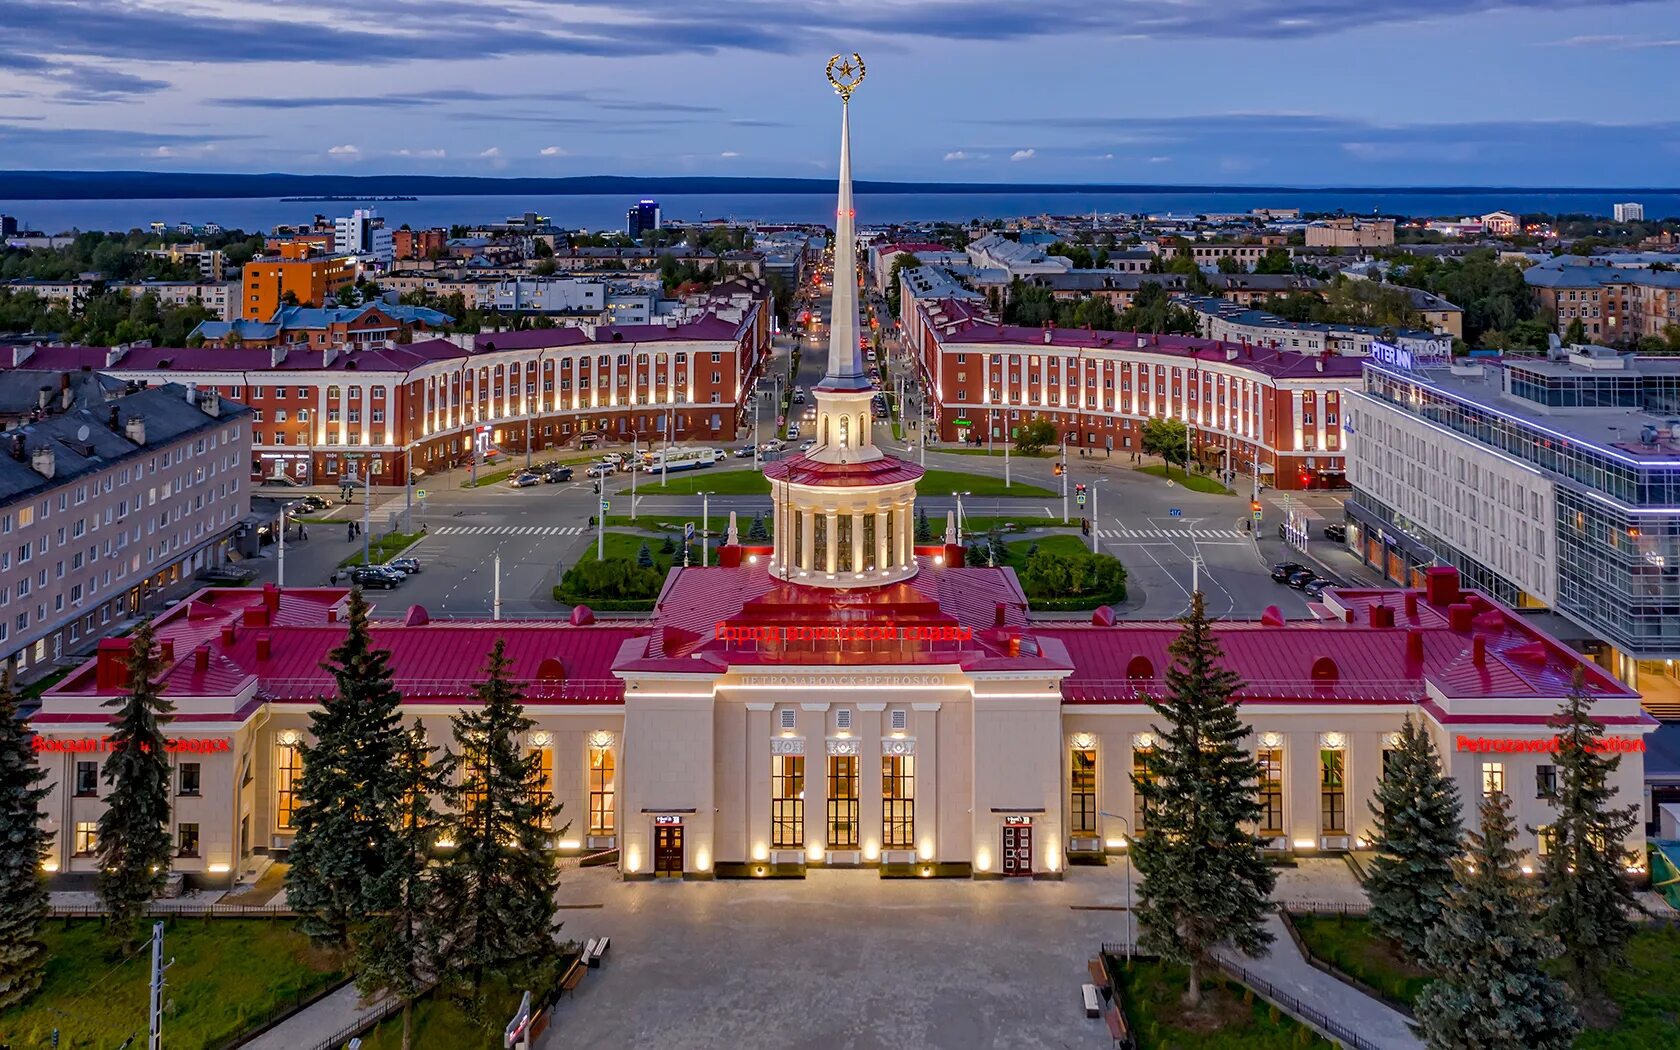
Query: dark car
x=373, y=576
x=522, y=480
x=1302, y=578
x=557, y=474
x=310, y=503
x=1336, y=532
x=1283, y=570
x=1315, y=589
x=406, y=566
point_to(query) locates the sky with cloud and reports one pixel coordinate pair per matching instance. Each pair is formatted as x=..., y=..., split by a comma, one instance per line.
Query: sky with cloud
x=1235, y=92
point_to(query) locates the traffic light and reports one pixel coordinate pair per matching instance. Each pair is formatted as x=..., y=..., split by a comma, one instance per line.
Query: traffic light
x=1059, y=469
x=597, y=488
x=1080, y=487
x=1254, y=505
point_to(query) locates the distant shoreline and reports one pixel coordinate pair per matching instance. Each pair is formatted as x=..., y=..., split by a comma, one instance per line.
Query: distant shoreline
x=146, y=185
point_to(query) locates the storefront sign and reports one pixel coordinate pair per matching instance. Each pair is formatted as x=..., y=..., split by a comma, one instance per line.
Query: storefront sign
x=192, y=745
x=1017, y=821
x=667, y=819
x=842, y=632
x=1547, y=745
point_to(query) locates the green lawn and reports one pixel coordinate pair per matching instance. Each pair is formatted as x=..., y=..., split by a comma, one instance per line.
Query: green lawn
x=627, y=544
x=689, y=483
x=1047, y=545
x=946, y=482
x=980, y=524
x=1346, y=942
x=1647, y=991
x=382, y=548
x=226, y=974
x=1193, y=482
x=1232, y=1019
x=982, y=450
x=440, y=1022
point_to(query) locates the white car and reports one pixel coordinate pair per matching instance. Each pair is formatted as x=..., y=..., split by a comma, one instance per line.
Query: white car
x=600, y=470
x=793, y=431
x=806, y=446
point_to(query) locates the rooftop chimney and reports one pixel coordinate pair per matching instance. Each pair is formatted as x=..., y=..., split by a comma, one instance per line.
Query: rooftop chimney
x=263, y=647
x=271, y=600
x=1440, y=585
x=227, y=634
x=113, y=355
x=201, y=657
x=1382, y=616
x=1459, y=616
x=44, y=396
x=192, y=393
x=1411, y=605
x=1414, y=645
x=135, y=430
x=44, y=461
x=166, y=650
x=1478, y=650
x=111, y=664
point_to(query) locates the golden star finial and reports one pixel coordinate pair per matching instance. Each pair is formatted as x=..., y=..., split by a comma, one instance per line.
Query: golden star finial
x=850, y=74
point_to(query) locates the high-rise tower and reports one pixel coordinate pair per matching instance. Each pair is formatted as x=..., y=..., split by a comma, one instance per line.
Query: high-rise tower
x=845, y=510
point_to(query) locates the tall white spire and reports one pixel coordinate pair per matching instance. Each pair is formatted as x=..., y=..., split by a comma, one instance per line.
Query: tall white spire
x=845, y=357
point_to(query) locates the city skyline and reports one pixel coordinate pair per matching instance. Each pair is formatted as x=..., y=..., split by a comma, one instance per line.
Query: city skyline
x=966, y=90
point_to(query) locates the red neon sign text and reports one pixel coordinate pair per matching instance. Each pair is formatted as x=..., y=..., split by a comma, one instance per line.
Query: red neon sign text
x=846, y=632
x=194, y=745
x=1548, y=745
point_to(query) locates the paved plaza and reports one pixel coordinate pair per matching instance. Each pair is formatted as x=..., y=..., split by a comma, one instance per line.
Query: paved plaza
x=844, y=960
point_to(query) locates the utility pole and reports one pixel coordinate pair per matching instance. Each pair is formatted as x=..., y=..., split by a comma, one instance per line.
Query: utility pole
x=496, y=590
x=155, y=1012
x=601, y=530
x=705, y=523
x=283, y=508
x=367, y=509
x=1006, y=439
x=1095, y=520
x=1065, y=518
x=635, y=468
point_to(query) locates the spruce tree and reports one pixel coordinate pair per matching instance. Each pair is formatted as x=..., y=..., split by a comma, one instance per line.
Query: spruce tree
x=924, y=531
x=396, y=946
x=1586, y=901
x=23, y=845
x=1419, y=832
x=499, y=883
x=347, y=793
x=758, y=531
x=644, y=557
x=1205, y=884
x=1493, y=992
x=134, y=846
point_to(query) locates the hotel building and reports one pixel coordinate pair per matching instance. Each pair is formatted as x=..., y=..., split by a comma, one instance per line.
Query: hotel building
x=1549, y=483
x=845, y=698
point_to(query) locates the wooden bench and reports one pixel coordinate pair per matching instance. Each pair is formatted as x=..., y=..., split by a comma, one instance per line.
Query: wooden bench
x=1099, y=976
x=587, y=951
x=1117, y=1028
x=573, y=976
x=600, y=949
x=1093, y=1001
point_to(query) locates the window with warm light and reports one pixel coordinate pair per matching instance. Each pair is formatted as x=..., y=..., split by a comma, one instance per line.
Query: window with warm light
x=602, y=785
x=898, y=801
x=1140, y=775
x=1082, y=791
x=186, y=840
x=1332, y=791
x=1271, y=791
x=1493, y=779
x=86, y=838
x=288, y=767
x=542, y=774
x=787, y=801
x=842, y=801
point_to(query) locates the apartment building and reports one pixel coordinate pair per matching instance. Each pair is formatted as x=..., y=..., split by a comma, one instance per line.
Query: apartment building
x=410, y=245
x=1232, y=322
x=309, y=280
x=346, y=327
x=107, y=500
x=1616, y=304
x=323, y=414
x=1351, y=233
x=1209, y=254
x=1257, y=410
x=219, y=296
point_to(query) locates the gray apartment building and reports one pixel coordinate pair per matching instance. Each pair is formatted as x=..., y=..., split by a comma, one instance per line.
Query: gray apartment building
x=107, y=496
x=1550, y=482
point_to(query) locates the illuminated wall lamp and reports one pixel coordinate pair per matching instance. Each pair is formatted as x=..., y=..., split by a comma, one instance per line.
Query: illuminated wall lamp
x=1305, y=843
x=49, y=866
x=219, y=868
x=570, y=844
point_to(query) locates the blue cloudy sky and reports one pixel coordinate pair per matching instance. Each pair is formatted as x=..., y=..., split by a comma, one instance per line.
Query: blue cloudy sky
x=1316, y=92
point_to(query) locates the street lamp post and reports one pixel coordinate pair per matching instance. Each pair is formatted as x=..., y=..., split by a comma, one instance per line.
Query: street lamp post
x=367, y=507
x=1095, y=520
x=1065, y=518
x=705, y=523
x=1131, y=922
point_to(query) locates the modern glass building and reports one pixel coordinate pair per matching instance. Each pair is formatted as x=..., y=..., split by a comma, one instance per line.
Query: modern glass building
x=1549, y=482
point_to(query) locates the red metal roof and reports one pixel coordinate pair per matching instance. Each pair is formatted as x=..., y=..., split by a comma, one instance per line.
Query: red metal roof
x=801, y=469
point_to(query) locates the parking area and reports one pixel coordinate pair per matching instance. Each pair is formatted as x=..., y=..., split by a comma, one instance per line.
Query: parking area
x=844, y=960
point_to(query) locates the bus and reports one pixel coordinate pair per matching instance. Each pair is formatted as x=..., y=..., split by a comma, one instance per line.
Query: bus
x=679, y=459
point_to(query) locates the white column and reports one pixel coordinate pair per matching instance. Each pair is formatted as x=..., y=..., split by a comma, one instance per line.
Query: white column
x=807, y=539
x=832, y=520
x=778, y=541
x=857, y=541
x=880, y=540
x=906, y=534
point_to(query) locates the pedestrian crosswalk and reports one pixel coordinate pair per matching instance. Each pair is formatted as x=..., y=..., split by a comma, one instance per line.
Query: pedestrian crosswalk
x=1125, y=532
x=509, y=530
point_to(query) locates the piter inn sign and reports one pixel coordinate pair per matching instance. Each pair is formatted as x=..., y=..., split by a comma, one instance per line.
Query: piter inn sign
x=1409, y=353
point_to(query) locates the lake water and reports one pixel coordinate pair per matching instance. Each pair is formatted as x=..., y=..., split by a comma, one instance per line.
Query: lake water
x=596, y=212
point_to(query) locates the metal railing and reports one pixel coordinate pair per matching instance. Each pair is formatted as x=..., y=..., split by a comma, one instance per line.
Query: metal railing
x=165, y=909
x=381, y=1011
x=1307, y=1015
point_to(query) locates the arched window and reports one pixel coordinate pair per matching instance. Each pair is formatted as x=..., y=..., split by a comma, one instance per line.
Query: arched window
x=844, y=421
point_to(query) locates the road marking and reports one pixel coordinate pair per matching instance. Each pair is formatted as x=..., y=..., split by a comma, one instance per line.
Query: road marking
x=1127, y=532
x=509, y=530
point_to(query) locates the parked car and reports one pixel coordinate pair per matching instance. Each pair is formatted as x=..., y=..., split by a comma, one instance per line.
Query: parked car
x=557, y=474
x=600, y=470
x=312, y=503
x=745, y=451
x=522, y=479
x=1302, y=578
x=406, y=566
x=1315, y=589
x=376, y=577
x=1285, y=569
x=227, y=575
x=1336, y=532
x=772, y=445
x=807, y=445
x=793, y=431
